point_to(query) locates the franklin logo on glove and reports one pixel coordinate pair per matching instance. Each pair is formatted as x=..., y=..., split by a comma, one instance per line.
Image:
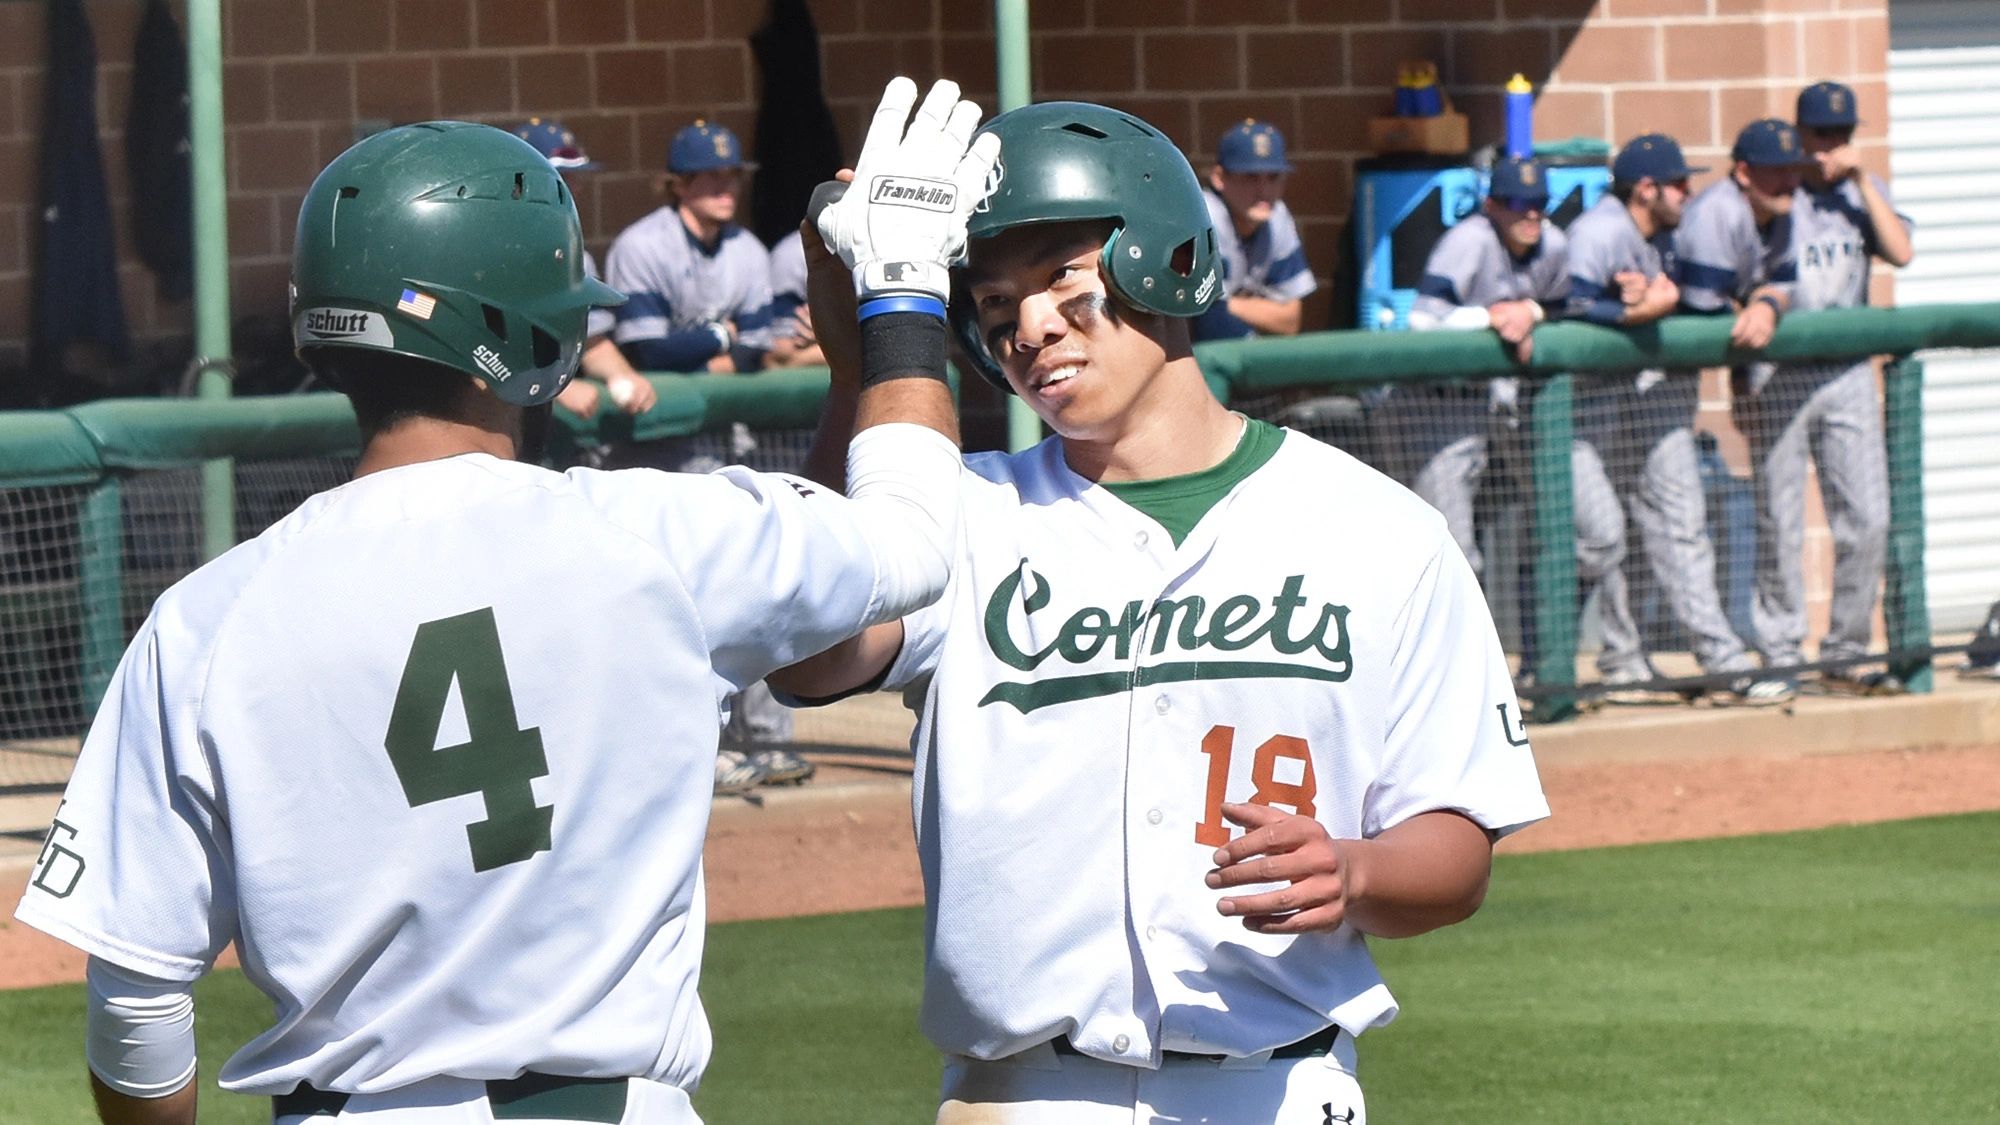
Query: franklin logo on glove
x=931, y=195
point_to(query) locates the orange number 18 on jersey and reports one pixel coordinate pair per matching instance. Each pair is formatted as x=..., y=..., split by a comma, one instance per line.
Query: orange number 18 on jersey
x=1220, y=745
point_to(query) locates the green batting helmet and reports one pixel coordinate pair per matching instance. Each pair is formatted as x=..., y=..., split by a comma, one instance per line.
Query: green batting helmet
x=1073, y=161
x=449, y=242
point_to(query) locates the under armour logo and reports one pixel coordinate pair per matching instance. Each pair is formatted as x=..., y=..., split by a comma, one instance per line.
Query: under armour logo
x=1343, y=1119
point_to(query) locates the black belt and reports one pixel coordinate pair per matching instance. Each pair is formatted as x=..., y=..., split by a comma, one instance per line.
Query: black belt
x=546, y=1097
x=1312, y=1046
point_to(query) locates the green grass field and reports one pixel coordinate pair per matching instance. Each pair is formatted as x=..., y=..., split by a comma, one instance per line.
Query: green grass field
x=1846, y=975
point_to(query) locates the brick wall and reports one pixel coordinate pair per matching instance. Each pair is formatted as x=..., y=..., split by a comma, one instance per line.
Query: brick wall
x=301, y=74
x=624, y=73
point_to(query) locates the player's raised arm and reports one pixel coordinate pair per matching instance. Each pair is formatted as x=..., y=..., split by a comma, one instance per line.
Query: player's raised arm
x=897, y=230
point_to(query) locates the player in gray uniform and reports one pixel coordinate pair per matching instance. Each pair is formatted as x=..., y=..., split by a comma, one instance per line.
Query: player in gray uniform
x=1265, y=279
x=1502, y=268
x=1621, y=274
x=1734, y=254
x=698, y=286
x=1842, y=218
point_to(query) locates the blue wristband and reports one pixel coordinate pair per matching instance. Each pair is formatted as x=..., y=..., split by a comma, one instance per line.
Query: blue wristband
x=1776, y=309
x=902, y=303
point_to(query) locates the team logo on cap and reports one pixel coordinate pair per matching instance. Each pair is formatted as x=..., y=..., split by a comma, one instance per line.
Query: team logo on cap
x=721, y=145
x=1260, y=144
x=342, y=326
x=1836, y=100
x=1528, y=173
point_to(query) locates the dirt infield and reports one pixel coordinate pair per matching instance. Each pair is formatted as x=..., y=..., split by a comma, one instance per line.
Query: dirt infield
x=844, y=843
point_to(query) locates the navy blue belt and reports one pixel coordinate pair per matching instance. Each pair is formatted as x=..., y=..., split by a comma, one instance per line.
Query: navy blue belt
x=536, y=1097
x=1312, y=1046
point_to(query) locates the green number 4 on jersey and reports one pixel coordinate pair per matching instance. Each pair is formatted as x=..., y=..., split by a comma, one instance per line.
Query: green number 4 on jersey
x=497, y=760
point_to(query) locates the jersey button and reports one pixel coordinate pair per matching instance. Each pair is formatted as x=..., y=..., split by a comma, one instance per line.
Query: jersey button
x=1151, y=933
x=1154, y=816
x=1139, y=540
x=1162, y=705
x=1121, y=1043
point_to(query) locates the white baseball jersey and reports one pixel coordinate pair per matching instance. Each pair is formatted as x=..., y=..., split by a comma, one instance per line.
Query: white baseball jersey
x=1090, y=694
x=436, y=752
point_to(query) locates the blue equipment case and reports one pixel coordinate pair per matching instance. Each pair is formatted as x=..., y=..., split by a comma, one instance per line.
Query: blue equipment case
x=1402, y=207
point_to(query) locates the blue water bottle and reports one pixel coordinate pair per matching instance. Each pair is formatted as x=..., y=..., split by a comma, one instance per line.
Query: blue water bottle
x=1520, y=118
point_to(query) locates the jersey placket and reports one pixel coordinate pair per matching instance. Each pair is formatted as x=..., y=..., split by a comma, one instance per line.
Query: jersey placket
x=1163, y=732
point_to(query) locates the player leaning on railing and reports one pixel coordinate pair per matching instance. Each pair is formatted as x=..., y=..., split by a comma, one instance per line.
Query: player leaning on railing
x=454, y=834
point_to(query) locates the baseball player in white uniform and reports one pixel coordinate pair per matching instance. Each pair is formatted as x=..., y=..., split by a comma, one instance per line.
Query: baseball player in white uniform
x=454, y=834
x=1206, y=704
x=1842, y=219
x=1265, y=279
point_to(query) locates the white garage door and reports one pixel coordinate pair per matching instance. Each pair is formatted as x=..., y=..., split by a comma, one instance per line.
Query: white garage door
x=1944, y=138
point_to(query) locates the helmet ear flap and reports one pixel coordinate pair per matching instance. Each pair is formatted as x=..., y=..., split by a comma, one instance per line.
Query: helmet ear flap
x=965, y=325
x=1162, y=281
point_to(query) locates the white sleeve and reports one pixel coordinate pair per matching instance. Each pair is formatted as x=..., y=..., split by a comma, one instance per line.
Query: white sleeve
x=1454, y=738
x=135, y=866
x=780, y=568
x=138, y=1030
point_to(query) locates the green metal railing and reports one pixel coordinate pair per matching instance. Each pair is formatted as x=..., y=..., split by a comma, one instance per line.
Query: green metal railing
x=99, y=444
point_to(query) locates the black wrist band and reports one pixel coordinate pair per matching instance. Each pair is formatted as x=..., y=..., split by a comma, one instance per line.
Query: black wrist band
x=902, y=345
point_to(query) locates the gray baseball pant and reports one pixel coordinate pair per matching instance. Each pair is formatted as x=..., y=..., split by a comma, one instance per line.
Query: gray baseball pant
x=1830, y=411
x=1653, y=465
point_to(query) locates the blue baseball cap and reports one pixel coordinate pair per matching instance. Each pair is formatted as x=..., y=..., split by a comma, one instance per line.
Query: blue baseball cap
x=1654, y=156
x=1252, y=146
x=1827, y=105
x=1769, y=143
x=556, y=144
x=1519, y=179
x=702, y=147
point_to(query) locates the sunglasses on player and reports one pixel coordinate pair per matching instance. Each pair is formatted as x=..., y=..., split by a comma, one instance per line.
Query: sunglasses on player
x=1522, y=203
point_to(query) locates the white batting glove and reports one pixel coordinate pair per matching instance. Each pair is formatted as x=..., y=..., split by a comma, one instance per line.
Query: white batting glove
x=901, y=224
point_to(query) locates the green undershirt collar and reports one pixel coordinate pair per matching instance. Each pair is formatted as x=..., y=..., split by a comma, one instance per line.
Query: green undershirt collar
x=1178, y=503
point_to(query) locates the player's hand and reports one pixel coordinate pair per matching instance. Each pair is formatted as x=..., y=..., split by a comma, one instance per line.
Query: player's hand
x=902, y=225
x=1281, y=847
x=1662, y=295
x=722, y=364
x=631, y=391
x=1513, y=320
x=579, y=398
x=1631, y=286
x=1754, y=326
x=1839, y=163
x=830, y=302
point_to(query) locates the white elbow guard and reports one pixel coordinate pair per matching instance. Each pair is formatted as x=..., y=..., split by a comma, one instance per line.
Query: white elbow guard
x=139, y=1031
x=905, y=477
